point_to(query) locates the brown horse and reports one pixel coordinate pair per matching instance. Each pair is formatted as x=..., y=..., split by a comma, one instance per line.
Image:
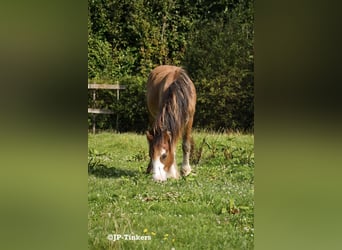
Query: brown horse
x=171, y=101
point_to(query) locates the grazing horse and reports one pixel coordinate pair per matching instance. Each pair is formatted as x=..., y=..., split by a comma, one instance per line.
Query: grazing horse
x=171, y=102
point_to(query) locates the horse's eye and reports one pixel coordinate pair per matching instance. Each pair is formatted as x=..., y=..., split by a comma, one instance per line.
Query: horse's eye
x=163, y=157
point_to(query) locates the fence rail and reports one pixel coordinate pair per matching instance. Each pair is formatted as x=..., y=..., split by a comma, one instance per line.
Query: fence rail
x=105, y=86
x=94, y=110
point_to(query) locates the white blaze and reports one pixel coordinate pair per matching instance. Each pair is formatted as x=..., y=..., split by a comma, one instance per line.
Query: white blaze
x=159, y=174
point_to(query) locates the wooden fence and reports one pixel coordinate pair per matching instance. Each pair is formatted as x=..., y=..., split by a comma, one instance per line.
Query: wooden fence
x=94, y=111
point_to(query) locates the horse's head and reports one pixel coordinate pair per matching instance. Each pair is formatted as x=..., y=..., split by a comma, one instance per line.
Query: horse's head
x=162, y=154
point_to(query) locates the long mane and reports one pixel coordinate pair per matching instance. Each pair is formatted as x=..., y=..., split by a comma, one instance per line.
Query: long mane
x=175, y=105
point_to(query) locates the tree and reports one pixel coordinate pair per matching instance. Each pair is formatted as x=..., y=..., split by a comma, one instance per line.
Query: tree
x=213, y=40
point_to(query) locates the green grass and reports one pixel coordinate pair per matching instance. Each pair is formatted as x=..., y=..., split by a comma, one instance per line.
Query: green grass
x=210, y=209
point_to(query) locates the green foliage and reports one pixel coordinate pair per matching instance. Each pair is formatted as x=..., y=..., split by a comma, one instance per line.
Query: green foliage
x=213, y=40
x=132, y=107
x=220, y=60
x=100, y=62
x=212, y=208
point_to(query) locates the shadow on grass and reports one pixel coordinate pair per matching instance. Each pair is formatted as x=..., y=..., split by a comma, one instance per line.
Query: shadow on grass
x=103, y=171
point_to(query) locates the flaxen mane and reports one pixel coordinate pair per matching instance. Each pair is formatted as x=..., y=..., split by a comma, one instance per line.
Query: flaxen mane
x=173, y=115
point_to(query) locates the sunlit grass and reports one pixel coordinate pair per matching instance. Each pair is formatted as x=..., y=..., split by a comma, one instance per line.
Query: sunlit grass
x=210, y=209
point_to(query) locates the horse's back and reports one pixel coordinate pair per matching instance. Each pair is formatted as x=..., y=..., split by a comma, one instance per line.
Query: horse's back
x=159, y=80
x=161, y=77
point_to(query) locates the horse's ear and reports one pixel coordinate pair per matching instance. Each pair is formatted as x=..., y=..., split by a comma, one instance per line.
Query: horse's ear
x=149, y=136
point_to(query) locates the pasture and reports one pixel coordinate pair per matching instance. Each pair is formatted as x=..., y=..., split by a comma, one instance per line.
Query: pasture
x=212, y=208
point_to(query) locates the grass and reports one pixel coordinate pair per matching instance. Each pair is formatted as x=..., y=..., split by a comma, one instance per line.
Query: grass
x=210, y=209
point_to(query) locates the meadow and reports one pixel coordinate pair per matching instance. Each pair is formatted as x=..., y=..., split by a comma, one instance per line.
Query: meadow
x=212, y=208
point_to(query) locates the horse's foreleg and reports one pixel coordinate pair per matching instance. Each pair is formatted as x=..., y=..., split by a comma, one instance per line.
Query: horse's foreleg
x=186, y=146
x=149, y=168
x=173, y=172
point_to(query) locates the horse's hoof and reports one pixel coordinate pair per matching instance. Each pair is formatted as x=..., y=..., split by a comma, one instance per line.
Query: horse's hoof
x=185, y=171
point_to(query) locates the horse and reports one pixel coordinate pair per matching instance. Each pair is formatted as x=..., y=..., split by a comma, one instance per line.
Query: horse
x=171, y=102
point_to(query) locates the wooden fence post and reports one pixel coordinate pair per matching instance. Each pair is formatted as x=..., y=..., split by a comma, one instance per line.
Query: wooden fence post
x=117, y=114
x=94, y=116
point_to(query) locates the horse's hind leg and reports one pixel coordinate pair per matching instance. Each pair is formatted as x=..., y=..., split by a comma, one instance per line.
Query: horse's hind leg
x=186, y=146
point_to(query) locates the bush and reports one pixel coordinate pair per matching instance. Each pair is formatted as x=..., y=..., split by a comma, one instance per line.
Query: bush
x=132, y=107
x=100, y=62
x=220, y=62
x=213, y=40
